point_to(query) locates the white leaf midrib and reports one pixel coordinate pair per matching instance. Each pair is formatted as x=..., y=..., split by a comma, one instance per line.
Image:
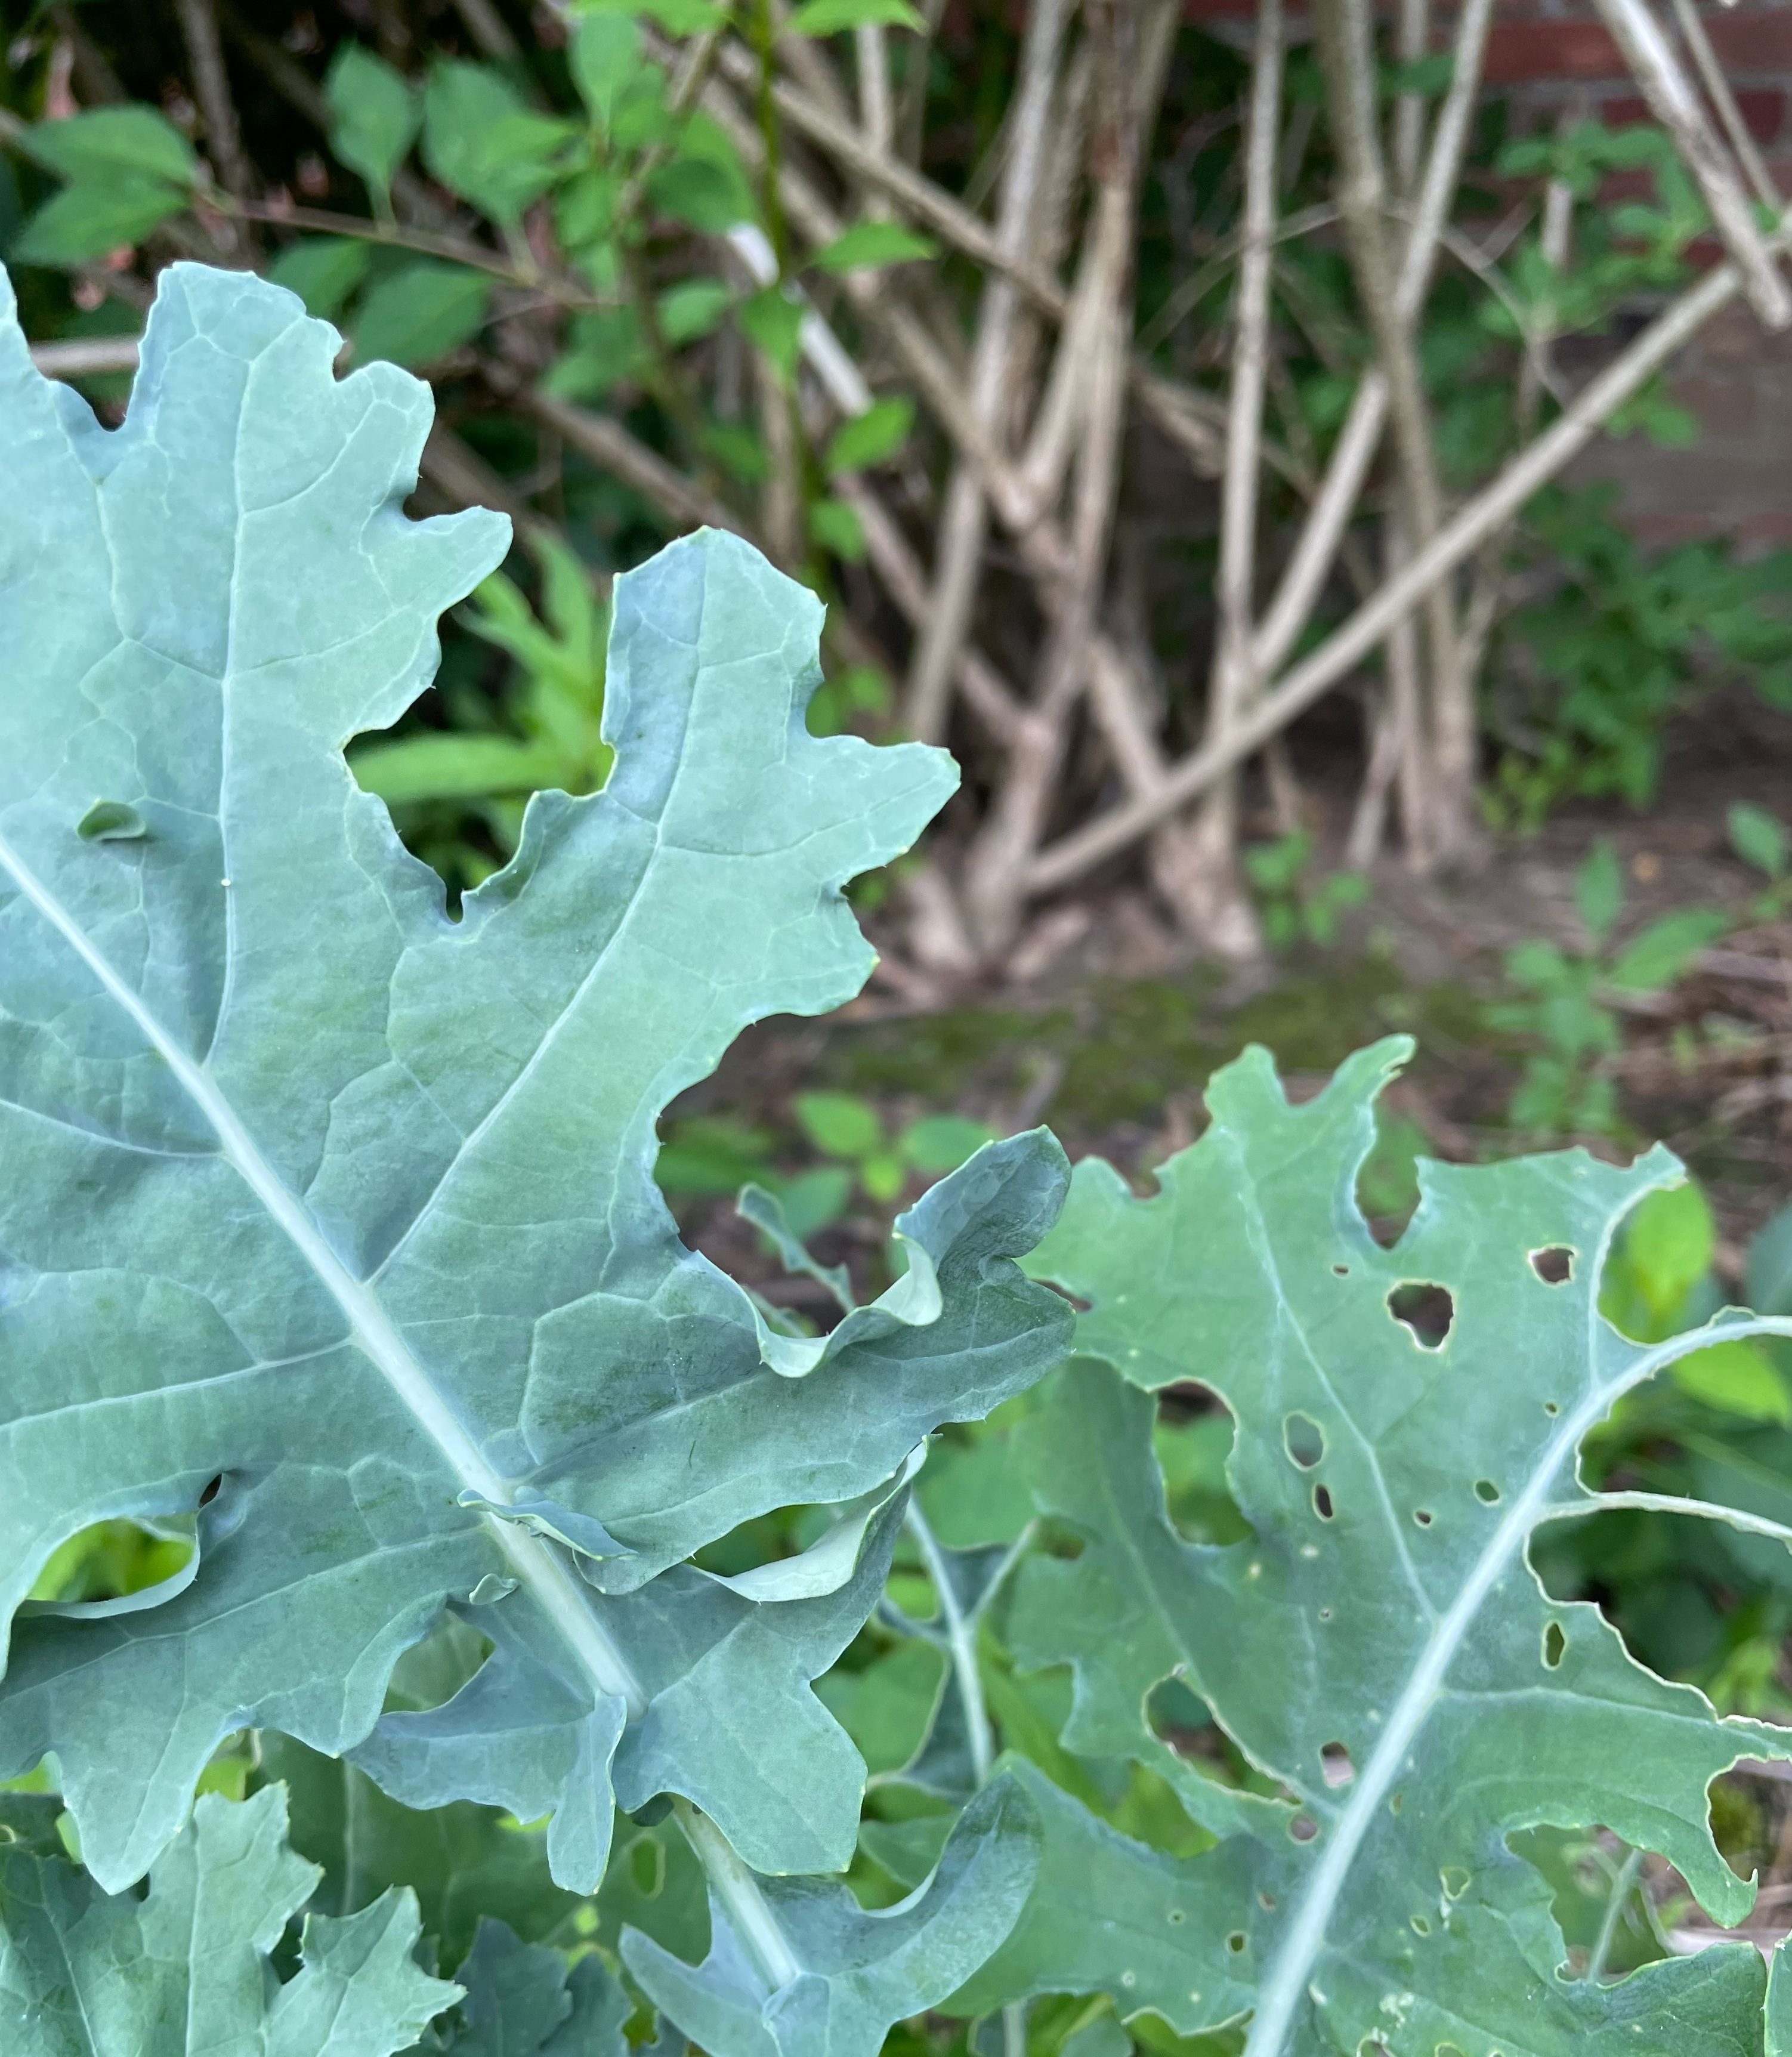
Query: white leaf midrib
x=553, y=1583
x=1287, y=1982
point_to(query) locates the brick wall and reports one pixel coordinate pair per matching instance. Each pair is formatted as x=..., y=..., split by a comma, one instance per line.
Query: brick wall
x=1546, y=56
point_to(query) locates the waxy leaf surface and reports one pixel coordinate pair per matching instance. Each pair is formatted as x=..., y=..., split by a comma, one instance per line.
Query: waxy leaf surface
x=1405, y=1419
x=183, y=1971
x=332, y=1217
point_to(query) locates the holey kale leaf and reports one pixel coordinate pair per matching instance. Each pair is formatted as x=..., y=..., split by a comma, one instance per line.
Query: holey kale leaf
x=1379, y=1644
x=332, y=1219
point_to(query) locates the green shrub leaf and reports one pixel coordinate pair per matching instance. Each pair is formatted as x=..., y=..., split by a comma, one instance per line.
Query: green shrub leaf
x=374, y=115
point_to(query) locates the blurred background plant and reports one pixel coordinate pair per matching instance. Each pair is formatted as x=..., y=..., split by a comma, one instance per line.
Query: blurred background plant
x=947, y=310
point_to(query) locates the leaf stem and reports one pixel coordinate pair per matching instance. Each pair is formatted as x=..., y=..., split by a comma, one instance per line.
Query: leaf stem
x=738, y=1891
x=1671, y=1503
x=1621, y=1887
x=960, y=1637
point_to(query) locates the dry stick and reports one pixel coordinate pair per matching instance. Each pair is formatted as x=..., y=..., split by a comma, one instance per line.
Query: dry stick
x=940, y=381
x=1345, y=36
x=1411, y=35
x=1536, y=377
x=1309, y=566
x=919, y=196
x=1353, y=639
x=85, y=357
x=876, y=109
x=1674, y=104
x=1128, y=85
x=1042, y=464
x=224, y=133
x=958, y=554
x=1204, y=865
x=986, y=692
x=1724, y=100
x=487, y=29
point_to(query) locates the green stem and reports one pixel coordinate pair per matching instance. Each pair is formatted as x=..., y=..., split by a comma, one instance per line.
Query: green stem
x=764, y=35
x=1621, y=1887
x=1669, y=1502
x=961, y=1636
x=738, y=1891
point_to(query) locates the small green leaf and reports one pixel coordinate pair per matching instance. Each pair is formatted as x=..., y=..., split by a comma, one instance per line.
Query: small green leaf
x=111, y=821
x=1668, y=1244
x=697, y=190
x=1757, y=839
x=691, y=309
x=89, y=220
x=773, y=322
x=815, y=1200
x=872, y=438
x=106, y=144
x=375, y=114
x=604, y=58
x=941, y=1142
x=883, y=1176
x=322, y=271
x=871, y=243
x=447, y=767
x=1665, y=949
x=418, y=315
x=1736, y=1378
x=484, y=145
x=829, y=18
x=606, y=347
x=585, y=208
x=1599, y=890
x=835, y=526
x=839, y=1123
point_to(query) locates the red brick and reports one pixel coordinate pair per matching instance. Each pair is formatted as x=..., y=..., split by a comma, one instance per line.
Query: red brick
x=1520, y=51
x=1756, y=41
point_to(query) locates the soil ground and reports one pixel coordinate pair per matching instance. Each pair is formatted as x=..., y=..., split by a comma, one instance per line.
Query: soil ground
x=1111, y=1042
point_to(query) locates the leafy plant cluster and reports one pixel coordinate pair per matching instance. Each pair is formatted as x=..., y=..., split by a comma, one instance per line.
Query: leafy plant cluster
x=1121, y=1632
x=565, y=223
x=1567, y=1002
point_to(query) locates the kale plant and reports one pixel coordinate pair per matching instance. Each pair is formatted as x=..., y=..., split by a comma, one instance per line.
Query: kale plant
x=332, y=1264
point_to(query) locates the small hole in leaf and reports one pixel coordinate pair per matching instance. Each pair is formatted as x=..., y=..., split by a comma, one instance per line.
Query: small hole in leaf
x=1427, y=1310
x=210, y=1493
x=1335, y=1766
x=1487, y=1492
x=1554, y=1644
x=1341, y=1270
x=1325, y=1613
x=1322, y=1503
x=1304, y=1439
x=1177, y=1918
x=1555, y=1266
x=1421, y=1926
x=1455, y=1882
x=646, y=1866
x=1549, y=1407
x=1303, y=1828
x=1235, y=1942
x=1422, y=1515
x=1266, y=1901
x=1396, y=1802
